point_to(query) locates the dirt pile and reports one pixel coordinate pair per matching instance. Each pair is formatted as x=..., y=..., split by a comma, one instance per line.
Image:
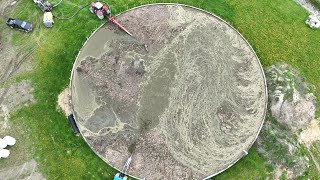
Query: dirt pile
x=63, y=102
x=310, y=136
x=290, y=101
x=281, y=149
x=292, y=108
x=311, y=133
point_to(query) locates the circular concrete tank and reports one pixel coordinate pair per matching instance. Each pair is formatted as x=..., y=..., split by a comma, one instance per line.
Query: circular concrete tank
x=186, y=94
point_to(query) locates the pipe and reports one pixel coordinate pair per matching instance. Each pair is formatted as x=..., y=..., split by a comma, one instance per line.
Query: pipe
x=73, y=124
x=112, y=19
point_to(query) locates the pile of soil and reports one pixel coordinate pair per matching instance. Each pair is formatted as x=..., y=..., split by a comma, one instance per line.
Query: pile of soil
x=292, y=108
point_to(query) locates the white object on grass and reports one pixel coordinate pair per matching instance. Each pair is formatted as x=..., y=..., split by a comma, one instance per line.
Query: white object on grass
x=4, y=153
x=313, y=21
x=3, y=144
x=9, y=140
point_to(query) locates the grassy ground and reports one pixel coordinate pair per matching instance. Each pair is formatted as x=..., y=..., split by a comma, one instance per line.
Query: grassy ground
x=315, y=147
x=250, y=167
x=275, y=29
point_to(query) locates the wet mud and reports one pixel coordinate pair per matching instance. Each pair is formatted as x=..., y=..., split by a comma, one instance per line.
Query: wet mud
x=186, y=94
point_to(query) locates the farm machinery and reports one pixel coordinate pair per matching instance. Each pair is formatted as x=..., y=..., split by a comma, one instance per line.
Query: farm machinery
x=102, y=11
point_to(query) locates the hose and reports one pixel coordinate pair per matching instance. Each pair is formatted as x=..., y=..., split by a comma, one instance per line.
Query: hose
x=57, y=4
x=68, y=18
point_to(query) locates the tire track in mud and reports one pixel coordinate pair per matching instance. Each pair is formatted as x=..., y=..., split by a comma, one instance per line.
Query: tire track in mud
x=17, y=59
x=14, y=65
x=14, y=96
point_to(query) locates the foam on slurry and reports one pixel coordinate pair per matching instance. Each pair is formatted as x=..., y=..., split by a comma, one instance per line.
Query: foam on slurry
x=186, y=94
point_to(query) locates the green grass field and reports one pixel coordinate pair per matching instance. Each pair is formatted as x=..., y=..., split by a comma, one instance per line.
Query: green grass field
x=275, y=29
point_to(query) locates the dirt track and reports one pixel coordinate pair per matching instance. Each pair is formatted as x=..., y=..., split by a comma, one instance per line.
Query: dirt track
x=14, y=96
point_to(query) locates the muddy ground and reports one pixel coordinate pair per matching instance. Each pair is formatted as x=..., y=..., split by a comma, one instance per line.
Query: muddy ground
x=187, y=94
x=13, y=96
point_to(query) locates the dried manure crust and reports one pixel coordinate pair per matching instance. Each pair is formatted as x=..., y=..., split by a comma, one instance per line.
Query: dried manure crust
x=187, y=94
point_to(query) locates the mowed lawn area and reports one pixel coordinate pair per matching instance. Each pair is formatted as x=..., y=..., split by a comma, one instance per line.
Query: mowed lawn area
x=274, y=28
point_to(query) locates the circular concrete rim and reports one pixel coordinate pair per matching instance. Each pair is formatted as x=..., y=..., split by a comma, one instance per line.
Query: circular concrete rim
x=177, y=4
